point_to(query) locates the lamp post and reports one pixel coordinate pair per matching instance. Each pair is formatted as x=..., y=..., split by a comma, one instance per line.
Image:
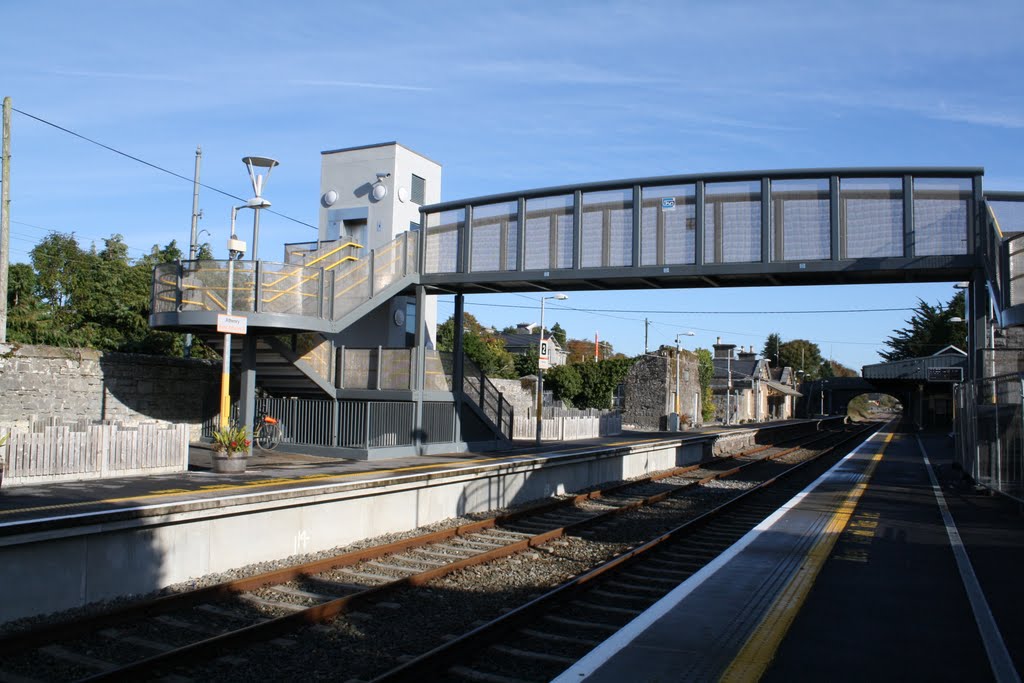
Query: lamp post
x=253, y=164
x=236, y=250
x=540, y=370
x=677, y=401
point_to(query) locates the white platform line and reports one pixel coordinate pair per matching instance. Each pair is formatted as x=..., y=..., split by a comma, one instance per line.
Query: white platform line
x=597, y=657
x=998, y=656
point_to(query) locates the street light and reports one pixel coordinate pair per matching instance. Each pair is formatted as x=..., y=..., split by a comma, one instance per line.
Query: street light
x=254, y=164
x=678, y=402
x=236, y=250
x=540, y=370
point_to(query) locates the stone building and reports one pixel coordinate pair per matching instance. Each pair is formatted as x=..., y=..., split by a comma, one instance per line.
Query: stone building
x=746, y=389
x=650, y=390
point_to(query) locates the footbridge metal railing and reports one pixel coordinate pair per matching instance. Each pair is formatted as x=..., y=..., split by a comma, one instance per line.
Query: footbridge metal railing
x=326, y=288
x=757, y=227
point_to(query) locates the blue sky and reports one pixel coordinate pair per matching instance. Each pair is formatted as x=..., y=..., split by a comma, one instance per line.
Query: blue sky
x=508, y=96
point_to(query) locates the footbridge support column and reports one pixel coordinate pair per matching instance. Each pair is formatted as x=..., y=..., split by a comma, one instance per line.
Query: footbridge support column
x=247, y=385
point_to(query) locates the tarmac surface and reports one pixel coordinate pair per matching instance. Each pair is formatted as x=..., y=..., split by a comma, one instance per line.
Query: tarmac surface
x=901, y=591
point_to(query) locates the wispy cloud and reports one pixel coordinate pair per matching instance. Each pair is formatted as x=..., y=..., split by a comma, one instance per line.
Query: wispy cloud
x=116, y=75
x=358, y=84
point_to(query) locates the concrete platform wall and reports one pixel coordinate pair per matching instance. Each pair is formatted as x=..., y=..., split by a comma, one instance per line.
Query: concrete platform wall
x=67, y=562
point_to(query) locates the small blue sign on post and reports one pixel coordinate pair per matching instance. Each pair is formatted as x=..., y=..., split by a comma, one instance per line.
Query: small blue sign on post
x=668, y=203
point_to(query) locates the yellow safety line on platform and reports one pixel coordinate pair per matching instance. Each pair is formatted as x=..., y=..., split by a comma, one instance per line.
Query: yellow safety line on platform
x=281, y=480
x=757, y=653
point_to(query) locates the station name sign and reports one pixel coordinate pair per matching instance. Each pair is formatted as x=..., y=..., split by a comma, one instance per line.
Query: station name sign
x=231, y=324
x=945, y=374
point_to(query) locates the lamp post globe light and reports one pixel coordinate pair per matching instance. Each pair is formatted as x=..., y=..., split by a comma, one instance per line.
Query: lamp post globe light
x=678, y=403
x=254, y=166
x=540, y=370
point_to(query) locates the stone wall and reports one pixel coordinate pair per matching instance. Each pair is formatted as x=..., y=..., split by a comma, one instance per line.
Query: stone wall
x=651, y=385
x=520, y=393
x=43, y=382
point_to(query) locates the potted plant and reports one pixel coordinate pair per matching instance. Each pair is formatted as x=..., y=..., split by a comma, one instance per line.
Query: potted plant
x=230, y=449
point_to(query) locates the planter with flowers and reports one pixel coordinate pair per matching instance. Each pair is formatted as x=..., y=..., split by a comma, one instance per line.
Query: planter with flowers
x=230, y=449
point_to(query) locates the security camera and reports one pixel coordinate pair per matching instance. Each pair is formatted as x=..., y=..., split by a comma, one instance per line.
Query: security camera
x=382, y=176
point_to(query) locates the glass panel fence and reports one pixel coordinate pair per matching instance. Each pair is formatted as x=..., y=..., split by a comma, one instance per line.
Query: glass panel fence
x=443, y=230
x=607, y=230
x=871, y=217
x=495, y=235
x=940, y=215
x=549, y=241
x=668, y=225
x=732, y=222
x=800, y=220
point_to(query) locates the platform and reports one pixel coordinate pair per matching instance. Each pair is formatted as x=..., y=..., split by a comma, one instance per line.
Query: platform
x=69, y=544
x=860, y=577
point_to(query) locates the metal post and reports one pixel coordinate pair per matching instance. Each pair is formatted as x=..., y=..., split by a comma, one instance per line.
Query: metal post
x=5, y=215
x=728, y=388
x=677, y=380
x=540, y=375
x=193, y=245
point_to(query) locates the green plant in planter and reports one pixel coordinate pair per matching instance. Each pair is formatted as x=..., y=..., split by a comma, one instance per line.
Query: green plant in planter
x=232, y=441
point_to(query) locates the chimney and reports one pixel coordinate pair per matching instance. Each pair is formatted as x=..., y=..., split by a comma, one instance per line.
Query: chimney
x=723, y=350
x=747, y=355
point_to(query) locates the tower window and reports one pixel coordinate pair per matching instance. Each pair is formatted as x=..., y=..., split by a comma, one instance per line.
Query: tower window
x=418, y=191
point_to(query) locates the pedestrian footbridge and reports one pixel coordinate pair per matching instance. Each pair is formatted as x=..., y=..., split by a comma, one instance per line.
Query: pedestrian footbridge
x=755, y=228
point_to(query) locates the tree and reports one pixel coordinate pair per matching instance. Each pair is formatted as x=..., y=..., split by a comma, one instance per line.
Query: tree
x=526, y=363
x=565, y=382
x=929, y=330
x=705, y=372
x=485, y=350
x=772, y=346
x=803, y=356
x=558, y=334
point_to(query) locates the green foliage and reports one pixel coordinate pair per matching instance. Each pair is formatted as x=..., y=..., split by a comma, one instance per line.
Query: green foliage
x=802, y=355
x=487, y=352
x=589, y=384
x=526, y=363
x=929, y=330
x=69, y=296
x=772, y=346
x=705, y=371
x=558, y=333
x=565, y=382
x=232, y=440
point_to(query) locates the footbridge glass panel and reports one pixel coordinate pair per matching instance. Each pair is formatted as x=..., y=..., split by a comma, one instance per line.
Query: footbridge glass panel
x=732, y=222
x=800, y=220
x=872, y=217
x=735, y=229
x=669, y=225
x=940, y=215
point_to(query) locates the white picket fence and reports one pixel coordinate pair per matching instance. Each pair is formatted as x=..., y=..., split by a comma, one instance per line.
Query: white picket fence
x=566, y=427
x=93, y=451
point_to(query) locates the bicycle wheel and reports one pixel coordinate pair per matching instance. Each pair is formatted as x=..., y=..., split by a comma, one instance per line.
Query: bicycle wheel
x=269, y=436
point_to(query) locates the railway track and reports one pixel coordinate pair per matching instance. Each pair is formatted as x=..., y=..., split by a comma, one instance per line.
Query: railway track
x=163, y=635
x=542, y=638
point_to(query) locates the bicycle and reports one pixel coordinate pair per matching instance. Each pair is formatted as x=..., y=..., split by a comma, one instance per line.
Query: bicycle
x=267, y=433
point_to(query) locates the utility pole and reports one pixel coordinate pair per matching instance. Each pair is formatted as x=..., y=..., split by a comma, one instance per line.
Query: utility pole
x=646, y=324
x=192, y=243
x=5, y=215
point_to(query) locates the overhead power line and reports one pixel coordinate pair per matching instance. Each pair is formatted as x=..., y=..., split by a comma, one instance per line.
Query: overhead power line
x=152, y=165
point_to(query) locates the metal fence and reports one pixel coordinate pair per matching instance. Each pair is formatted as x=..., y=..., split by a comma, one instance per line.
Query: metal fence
x=352, y=423
x=327, y=287
x=989, y=439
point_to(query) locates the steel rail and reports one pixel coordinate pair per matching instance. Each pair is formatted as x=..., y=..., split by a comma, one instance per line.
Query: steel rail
x=331, y=609
x=431, y=663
